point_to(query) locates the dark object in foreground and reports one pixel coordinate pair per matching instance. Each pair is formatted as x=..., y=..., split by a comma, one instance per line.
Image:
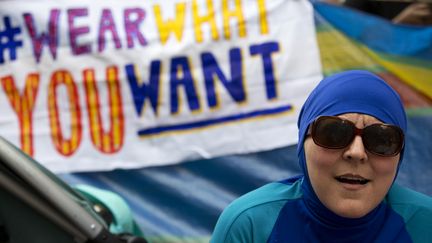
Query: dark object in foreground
x=36, y=206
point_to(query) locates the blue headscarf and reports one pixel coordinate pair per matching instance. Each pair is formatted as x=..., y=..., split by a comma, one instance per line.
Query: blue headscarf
x=349, y=92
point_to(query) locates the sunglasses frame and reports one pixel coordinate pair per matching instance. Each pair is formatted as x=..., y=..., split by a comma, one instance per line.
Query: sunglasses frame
x=359, y=132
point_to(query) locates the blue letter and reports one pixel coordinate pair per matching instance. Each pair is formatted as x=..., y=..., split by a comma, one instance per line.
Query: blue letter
x=266, y=50
x=180, y=74
x=234, y=86
x=150, y=91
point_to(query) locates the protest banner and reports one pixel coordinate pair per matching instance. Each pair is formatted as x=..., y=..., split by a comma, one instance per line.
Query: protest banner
x=98, y=85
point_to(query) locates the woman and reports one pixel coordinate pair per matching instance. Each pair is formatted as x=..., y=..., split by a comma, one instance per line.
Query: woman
x=351, y=144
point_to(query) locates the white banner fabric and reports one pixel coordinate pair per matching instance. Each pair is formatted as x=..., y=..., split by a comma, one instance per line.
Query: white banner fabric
x=99, y=85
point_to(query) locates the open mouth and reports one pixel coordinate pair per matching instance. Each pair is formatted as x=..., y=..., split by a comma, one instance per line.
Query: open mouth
x=349, y=179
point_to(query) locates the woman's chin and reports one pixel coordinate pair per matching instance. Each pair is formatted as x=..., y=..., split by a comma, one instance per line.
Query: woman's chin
x=351, y=209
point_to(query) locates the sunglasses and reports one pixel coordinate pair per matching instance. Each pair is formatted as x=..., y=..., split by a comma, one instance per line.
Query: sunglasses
x=332, y=132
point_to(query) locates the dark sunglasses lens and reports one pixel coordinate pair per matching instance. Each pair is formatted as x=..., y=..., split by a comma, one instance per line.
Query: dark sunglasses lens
x=332, y=132
x=383, y=139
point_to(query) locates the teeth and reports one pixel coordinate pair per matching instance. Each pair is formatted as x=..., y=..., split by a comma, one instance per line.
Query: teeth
x=352, y=180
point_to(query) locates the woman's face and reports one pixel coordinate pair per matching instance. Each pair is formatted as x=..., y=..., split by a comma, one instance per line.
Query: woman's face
x=331, y=170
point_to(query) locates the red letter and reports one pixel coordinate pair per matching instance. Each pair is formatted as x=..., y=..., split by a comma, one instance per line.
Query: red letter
x=112, y=140
x=65, y=146
x=23, y=106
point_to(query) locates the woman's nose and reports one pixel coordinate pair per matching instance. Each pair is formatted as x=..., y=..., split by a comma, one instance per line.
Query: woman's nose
x=356, y=150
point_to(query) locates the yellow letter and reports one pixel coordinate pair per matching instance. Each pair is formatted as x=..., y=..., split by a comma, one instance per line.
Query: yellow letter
x=23, y=105
x=110, y=141
x=236, y=13
x=263, y=17
x=63, y=145
x=168, y=26
x=199, y=20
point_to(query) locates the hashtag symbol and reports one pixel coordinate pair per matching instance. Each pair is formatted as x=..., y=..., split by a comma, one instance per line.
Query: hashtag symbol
x=8, y=41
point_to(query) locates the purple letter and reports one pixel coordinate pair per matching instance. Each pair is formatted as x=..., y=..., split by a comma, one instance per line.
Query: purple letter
x=43, y=38
x=132, y=26
x=107, y=24
x=74, y=31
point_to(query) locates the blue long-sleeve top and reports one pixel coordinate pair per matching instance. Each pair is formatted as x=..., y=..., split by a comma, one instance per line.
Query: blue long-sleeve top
x=279, y=212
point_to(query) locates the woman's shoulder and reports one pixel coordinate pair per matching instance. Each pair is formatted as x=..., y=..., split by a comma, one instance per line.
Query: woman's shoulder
x=416, y=210
x=254, y=212
x=266, y=195
x=403, y=196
